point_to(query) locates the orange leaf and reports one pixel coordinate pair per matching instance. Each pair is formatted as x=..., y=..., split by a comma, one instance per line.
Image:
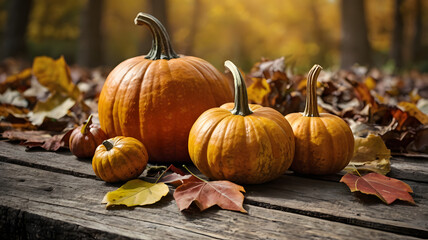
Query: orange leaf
x=225, y=194
x=386, y=188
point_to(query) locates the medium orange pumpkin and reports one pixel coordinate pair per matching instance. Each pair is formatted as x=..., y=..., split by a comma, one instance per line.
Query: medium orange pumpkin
x=242, y=143
x=324, y=142
x=156, y=98
x=85, y=139
x=119, y=159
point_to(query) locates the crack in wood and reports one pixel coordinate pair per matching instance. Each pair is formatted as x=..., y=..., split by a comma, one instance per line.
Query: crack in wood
x=46, y=168
x=351, y=221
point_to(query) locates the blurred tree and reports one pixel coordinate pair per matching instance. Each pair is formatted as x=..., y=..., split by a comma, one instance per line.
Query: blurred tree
x=417, y=48
x=194, y=27
x=90, y=41
x=396, y=50
x=159, y=9
x=18, y=12
x=355, y=44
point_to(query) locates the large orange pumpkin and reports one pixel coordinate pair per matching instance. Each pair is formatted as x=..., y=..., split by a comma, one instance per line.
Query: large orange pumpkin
x=156, y=98
x=324, y=142
x=239, y=142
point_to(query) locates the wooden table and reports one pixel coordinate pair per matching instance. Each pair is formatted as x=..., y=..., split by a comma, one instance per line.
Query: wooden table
x=56, y=196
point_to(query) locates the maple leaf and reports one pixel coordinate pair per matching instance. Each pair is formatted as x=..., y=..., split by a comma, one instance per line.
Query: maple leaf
x=225, y=194
x=178, y=179
x=136, y=193
x=386, y=188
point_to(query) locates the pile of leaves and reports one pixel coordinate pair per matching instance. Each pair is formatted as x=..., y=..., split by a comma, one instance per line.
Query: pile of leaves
x=394, y=107
x=40, y=103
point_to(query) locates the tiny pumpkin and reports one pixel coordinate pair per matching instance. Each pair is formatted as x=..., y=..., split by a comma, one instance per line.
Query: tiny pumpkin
x=247, y=144
x=85, y=139
x=119, y=159
x=324, y=142
x=156, y=98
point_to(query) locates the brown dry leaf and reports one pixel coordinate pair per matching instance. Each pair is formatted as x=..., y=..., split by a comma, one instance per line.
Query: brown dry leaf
x=176, y=179
x=225, y=194
x=386, y=188
x=370, y=154
x=19, y=81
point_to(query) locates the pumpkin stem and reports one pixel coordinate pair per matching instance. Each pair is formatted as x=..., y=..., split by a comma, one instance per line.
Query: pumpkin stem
x=108, y=145
x=161, y=45
x=241, y=99
x=311, y=107
x=88, y=123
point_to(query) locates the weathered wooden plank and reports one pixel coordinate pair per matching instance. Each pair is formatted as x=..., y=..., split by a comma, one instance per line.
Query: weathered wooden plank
x=334, y=201
x=312, y=197
x=41, y=202
x=414, y=169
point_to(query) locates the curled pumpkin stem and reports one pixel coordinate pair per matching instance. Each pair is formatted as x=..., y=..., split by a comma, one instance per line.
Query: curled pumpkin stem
x=161, y=44
x=241, y=99
x=311, y=107
x=88, y=123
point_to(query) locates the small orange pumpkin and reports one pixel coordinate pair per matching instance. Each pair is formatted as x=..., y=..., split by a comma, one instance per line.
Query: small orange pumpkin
x=324, y=142
x=156, y=98
x=85, y=139
x=248, y=144
x=119, y=159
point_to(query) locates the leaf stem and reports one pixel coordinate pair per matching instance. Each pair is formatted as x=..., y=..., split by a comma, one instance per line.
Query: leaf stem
x=194, y=174
x=163, y=173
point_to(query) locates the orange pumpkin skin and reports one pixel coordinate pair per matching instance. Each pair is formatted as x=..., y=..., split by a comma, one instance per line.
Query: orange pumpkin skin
x=119, y=159
x=324, y=142
x=85, y=139
x=324, y=145
x=246, y=149
x=158, y=100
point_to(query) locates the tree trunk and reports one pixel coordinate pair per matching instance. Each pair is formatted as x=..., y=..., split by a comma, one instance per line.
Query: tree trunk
x=396, y=52
x=194, y=27
x=355, y=44
x=18, y=13
x=159, y=9
x=90, y=42
x=417, y=48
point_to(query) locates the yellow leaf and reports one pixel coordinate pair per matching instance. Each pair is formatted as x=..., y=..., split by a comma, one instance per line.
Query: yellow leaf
x=370, y=154
x=370, y=83
x=258, y=90
x=136, y=192
x=55, y=75
x=55, y=106
x=414, y=111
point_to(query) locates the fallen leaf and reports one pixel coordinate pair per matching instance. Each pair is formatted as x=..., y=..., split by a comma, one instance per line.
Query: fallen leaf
x=414, y=111
x=55, y=75
x=370, y=154
x=386, y=188
x=176, y=179
x=258, y=90
x=56, y=107
x=136, y=193
x=225, y=194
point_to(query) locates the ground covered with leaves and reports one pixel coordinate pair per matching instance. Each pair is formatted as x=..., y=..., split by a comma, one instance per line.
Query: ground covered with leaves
x=39, y=104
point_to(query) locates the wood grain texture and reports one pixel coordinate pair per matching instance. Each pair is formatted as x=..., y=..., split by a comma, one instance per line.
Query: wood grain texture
x=323, y=198
x=37, y=203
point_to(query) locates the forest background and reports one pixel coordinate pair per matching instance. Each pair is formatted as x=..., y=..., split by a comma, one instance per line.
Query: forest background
x=388, y=34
